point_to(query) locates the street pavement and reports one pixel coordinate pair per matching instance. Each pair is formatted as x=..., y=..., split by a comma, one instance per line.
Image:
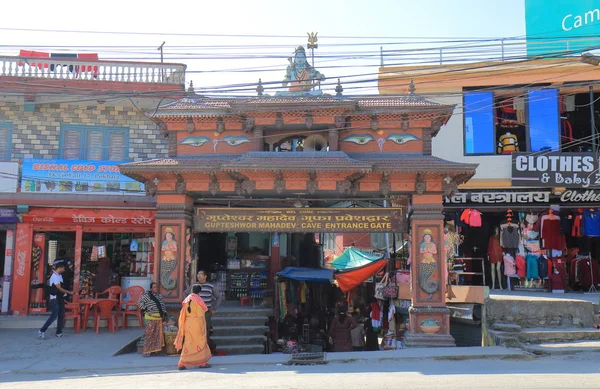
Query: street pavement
x=574, y=372
x=86, y=359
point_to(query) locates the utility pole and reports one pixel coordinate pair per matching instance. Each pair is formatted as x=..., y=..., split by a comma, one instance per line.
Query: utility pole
x=162, y=71
x=160, y=48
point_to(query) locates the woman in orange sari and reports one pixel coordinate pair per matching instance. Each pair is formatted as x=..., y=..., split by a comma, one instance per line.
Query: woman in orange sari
x=191, y=338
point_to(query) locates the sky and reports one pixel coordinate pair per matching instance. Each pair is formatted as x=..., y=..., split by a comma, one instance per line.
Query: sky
x=267, y=33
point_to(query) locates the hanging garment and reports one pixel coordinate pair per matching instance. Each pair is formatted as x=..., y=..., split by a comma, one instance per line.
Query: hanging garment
x=465, y=216
x=508, y=114
x=519, y=107
x=551, y=236
x=566, y=222
x=494, y=249
x=521, y=266
x=542, y=264
x=569, y=103
x=533, y=221
x=577, y=222
x=509, y=265
x=591, y=223
x=475, y=218
x=510, y=237
x=532, y=266
x=589, y=273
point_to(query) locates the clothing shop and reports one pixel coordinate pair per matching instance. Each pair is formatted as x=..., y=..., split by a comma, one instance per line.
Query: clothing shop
x=537, y=240
x=102, y=248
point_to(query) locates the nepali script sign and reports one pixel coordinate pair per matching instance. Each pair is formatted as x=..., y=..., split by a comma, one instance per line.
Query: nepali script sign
x=298, y=220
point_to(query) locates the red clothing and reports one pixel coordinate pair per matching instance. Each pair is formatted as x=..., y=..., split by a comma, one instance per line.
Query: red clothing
x=576, y=232
x=557, y=282
x=521, y=266
x=494, y=249
x=551, y=236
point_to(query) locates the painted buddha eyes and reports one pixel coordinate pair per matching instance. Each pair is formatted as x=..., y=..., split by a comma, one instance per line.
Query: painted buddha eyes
x=401, y=139
x=195, y=141
x=359, y=139
x=236, y=140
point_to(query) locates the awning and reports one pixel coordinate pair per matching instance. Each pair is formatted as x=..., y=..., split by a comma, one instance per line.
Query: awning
x=351, y=278
x=353, y=258
x=307, y=274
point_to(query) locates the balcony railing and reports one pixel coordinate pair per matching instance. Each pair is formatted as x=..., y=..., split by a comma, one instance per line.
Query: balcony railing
x=74, y=69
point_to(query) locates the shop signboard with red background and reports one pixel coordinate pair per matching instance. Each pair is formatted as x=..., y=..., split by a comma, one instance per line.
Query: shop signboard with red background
x=66, y=219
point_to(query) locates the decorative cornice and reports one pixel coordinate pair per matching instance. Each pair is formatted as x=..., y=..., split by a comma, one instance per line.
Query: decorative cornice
x=427, y=212
x=174, y=211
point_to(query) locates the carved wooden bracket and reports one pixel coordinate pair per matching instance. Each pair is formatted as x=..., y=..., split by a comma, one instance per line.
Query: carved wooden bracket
x=220, y=125
x=162, y=128
x=189, y=125
x=309, y=120
x=340, y=121
x=180, y=187
x=213, y=186
x=350, y=185
x=249, y=124
x=243, y=186
x=150, y=188
x=449, y=186
x=420, y=186
x=279, y=121
x=279, y=184
x=312, y=185
x=384, y=186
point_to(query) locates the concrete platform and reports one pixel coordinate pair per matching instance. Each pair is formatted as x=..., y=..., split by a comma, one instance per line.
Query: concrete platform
x=563, y=348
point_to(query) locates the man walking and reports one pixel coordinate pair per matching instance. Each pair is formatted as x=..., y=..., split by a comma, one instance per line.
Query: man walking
x=57, y=301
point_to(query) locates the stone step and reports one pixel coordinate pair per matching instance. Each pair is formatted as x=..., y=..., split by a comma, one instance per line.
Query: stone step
x=243, y=349
x=37, y=321
x=240, y=330
x=558, y=335
x=222, y=341
x=243, y=311
x=563, y=348
x=227, y=321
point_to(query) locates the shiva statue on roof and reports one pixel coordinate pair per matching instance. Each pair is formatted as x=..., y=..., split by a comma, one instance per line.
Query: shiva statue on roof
x=300, y=75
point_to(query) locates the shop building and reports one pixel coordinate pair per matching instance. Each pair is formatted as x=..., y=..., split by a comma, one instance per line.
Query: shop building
x=529, y=125
x=250, y=182
x=67, y=147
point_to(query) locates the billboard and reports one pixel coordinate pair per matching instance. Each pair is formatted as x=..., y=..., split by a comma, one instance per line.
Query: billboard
x=554, y=27
x=78, y=177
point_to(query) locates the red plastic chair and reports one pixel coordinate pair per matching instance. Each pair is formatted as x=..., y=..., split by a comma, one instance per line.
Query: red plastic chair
x=104, y=310
x=134, y=292
x=73, y=311
x=112, y=293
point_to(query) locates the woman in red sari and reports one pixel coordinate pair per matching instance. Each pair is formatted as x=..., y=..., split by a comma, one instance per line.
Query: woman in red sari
x=191, y=338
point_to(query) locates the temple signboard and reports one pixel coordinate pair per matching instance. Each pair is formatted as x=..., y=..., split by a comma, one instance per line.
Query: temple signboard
x=298, y=220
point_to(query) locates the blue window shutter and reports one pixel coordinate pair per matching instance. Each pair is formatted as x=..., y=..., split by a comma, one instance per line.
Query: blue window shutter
x=543, y=120
x=94, y=145
x=479, y=129
x=117, y=145
x=71, y=146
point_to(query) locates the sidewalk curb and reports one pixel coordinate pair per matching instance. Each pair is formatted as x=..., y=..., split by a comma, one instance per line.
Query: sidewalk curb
x=283, y=362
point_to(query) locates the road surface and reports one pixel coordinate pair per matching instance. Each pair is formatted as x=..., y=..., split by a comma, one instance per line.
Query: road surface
x=573, y=372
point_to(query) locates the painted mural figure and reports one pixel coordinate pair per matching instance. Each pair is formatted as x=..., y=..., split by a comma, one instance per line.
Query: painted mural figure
x=168, y=259
x=188, y=256
x=300, y=74
x=427, y=263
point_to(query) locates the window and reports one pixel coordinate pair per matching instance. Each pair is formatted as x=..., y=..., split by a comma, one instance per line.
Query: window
x=504, y=123
x=94, y=143
x=479, y=123
x=329, y=242
x=5, y=141
x=543, y=120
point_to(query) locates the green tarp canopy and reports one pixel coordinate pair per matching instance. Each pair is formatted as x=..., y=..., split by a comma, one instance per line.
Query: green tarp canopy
x=353, y=258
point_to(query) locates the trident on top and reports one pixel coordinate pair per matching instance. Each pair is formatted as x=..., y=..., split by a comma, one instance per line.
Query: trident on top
x=312, y=44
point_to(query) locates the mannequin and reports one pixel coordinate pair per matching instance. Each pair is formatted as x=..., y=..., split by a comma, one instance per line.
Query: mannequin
x=495, y=258
x=508, y=143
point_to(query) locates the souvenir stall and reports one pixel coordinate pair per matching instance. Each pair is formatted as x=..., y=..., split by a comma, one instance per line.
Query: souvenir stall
x=306, y=304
